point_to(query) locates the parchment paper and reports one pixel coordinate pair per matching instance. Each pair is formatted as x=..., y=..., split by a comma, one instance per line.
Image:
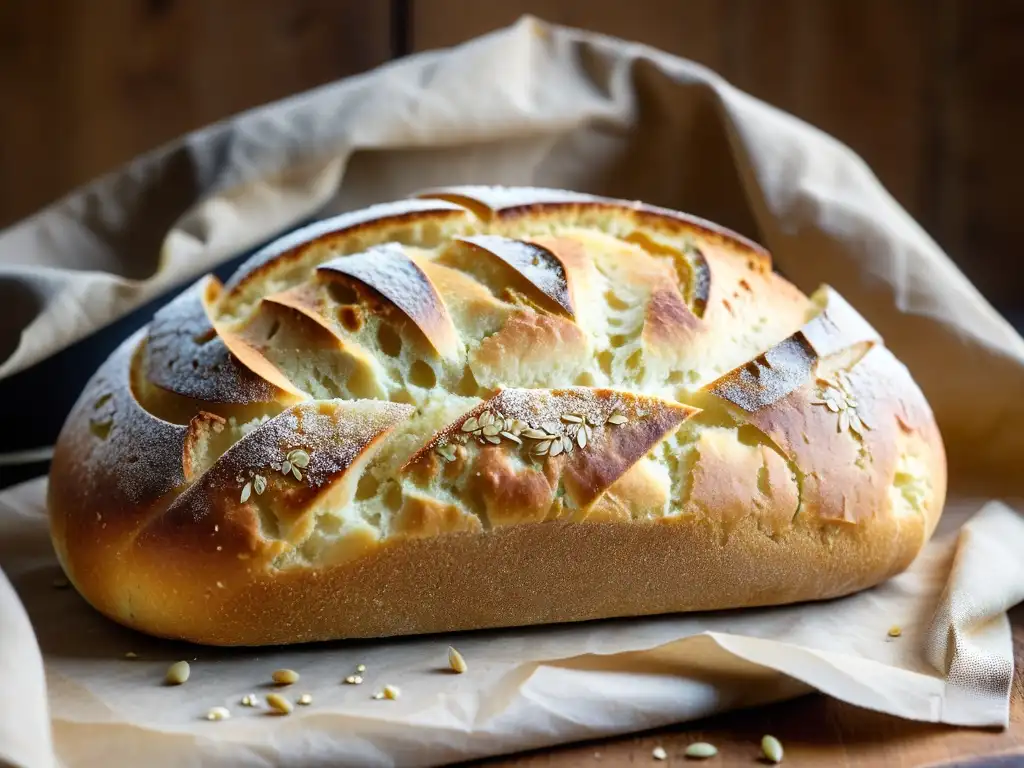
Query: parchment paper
x=542, y=105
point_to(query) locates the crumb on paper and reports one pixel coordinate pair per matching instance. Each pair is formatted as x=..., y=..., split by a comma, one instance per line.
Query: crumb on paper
x=659, y=753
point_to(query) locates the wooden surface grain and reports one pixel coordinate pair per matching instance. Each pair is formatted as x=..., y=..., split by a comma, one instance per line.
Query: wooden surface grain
x=87, y=86
x=815, y=731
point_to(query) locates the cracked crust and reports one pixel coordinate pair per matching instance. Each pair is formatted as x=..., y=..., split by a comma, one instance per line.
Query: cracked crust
x=487, y=407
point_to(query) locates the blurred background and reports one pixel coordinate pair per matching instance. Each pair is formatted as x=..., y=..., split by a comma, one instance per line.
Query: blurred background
x=929, y=92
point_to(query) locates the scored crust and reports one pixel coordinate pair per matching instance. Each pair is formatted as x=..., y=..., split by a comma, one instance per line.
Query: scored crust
x=489, y=407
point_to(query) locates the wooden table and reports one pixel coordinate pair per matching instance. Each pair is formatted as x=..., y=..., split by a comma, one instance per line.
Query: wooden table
x=814, y=731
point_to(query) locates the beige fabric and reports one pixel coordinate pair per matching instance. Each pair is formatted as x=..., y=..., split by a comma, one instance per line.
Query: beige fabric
x=532, y=105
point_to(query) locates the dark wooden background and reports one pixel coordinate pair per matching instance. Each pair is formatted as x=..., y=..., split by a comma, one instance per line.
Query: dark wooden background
x=930, y=92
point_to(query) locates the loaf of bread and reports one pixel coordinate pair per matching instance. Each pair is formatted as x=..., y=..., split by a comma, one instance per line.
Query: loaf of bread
x=486, y=407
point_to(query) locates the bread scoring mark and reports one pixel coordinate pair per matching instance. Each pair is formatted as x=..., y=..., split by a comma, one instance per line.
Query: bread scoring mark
x=324, y=233
x=488, y=203
x=316, y=441
x=185, y=355
x=837, y=326
x=690, y=265
x=396, y=276
x=256, y=361
x=540, y=267
x=594, y=435
x=789, y=364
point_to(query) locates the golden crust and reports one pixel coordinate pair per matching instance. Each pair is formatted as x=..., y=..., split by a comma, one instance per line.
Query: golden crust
x=623, y=411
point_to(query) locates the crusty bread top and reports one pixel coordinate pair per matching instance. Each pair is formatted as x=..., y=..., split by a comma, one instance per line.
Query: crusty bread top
x=479, y=357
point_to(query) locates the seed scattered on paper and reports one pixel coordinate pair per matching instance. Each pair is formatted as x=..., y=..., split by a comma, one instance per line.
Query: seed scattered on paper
x=701, y=750
x=178, y=673
x=279, y=703
x=285, y=676
x=455, y=661
x=895, y=631
x=659, y=753
x=772, y=749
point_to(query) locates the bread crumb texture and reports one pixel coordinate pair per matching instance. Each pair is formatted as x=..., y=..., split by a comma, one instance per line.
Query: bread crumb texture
x=479, y=359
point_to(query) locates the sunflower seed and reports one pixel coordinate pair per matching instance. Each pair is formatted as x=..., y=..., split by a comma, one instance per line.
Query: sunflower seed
x=701, y=750
x=491, y=429
x=581, y=437
x=567, y=444
x=512, y=437
x=286, y=468
x=297, y=474
x=486, y=419
x=856, y=425
x=279, y=703
x=844, y=421
x=535, y=434
x=617, y=418
x=178, y=673
x=556, y=448
x=542, y=448
x=493, y=439
x=259, y=484
x=772, y=749
x=571, y=418
x=470, y=425
x=285, y=676
x=455, y=661
x=218, y=713
x=299, y=458
x=246, y=492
